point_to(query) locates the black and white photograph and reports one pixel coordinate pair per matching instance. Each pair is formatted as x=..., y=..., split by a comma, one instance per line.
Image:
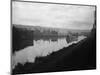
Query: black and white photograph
x=52, y=37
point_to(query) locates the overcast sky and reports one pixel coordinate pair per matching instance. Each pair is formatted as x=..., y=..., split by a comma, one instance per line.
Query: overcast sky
x=53, y=15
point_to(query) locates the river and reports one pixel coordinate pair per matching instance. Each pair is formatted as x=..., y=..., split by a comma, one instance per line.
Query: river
x=41, y=48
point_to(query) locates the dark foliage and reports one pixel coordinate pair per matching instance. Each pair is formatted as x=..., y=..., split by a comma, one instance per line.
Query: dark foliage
x=21, y=38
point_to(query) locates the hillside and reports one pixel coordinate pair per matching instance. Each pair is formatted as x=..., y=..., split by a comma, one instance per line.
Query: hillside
x=60, y=31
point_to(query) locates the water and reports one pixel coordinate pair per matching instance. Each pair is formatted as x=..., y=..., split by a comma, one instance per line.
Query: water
x=41, y=48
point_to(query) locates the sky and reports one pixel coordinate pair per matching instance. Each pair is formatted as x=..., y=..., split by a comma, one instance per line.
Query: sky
x=53, y=15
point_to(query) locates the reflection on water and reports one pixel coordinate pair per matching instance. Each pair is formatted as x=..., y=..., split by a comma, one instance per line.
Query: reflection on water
x=41, y=48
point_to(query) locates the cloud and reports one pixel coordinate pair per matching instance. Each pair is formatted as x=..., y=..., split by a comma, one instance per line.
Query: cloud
x=53, y=15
